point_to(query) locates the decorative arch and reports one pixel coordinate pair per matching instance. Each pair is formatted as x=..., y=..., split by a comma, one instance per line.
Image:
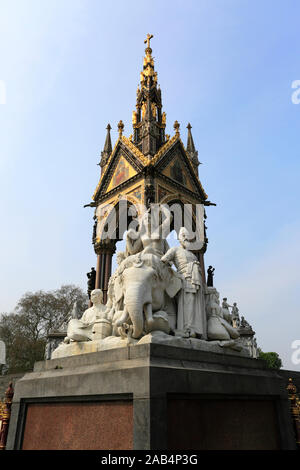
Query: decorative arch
x=113, y=223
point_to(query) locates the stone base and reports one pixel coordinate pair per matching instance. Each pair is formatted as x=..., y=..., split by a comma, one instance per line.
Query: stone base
x=151, y=396
x=156, y=337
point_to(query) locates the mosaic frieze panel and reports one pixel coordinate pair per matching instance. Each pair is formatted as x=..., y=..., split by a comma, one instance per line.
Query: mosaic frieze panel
x=122, y=173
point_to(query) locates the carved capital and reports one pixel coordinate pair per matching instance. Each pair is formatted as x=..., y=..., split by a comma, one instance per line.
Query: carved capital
x=105, y=246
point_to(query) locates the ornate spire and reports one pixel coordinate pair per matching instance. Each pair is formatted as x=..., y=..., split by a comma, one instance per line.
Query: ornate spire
x=107, y=148
x=148, y=121
x=190, y=148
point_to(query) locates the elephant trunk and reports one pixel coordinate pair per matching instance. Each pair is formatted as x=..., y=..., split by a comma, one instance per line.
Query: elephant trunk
x=137, y=319
x=135, y=300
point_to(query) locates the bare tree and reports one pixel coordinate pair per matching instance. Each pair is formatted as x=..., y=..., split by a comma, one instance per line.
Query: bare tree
x=25, y=330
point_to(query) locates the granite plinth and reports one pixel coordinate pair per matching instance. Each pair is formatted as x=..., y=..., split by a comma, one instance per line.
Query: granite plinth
x=159, y=396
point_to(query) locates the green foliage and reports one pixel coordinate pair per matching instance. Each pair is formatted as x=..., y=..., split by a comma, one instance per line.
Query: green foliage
x=271, y=358
x=25, y=330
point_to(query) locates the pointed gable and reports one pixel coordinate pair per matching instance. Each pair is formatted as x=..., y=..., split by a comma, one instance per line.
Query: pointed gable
x=173, y=162
x=124, y=163
x=176, y=171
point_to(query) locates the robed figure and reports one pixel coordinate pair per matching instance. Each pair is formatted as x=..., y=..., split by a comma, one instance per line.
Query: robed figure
x=191, y=316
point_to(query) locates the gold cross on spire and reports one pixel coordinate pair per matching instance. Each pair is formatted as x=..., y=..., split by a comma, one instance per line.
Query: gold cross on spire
x=149, y=36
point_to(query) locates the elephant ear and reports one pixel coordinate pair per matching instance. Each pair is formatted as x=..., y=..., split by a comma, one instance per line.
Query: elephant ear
x=173, y=285
x=118, y=288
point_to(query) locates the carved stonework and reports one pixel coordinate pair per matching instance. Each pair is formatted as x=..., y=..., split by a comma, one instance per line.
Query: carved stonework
x=156, y=292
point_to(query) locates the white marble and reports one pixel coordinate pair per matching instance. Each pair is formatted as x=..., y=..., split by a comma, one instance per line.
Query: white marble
x=235, y=316
x=191, y=315
x=83, y=329
x=141, y=289
x=149, y=301
x=218, y=328
x=155, y=337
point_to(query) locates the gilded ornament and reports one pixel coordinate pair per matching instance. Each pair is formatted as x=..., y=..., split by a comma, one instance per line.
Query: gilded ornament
x=135, y=150
x=147, y=40
x=176, y=127
x=134, y=118
x=120, y=127
x=153, y=106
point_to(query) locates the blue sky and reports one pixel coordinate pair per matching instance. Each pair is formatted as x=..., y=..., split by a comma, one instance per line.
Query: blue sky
x=227, y=67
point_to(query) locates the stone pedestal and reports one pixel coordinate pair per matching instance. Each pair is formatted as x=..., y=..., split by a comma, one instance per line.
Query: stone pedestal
x=151, y=396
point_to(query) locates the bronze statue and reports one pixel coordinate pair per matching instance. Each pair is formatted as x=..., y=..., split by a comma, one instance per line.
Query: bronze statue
x=91, y=281
x=210, y=275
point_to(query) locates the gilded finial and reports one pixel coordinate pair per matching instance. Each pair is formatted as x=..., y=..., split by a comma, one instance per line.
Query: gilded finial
x=120, y=127
x=176, y=127
x=149, y=36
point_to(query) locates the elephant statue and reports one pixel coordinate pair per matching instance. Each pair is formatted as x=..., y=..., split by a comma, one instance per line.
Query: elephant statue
x=144, y=284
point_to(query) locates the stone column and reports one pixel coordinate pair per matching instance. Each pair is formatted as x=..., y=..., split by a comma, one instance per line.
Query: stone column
x=107, y=274
x=105, y=253
x=98, y=271
x=102, y=269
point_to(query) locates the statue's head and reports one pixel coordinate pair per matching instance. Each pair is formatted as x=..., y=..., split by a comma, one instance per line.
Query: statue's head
x=183, y=236
x=96, y=296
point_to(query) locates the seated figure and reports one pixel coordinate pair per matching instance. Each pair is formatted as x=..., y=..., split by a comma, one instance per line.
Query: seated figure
x=218, y=328
x=82, y=329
